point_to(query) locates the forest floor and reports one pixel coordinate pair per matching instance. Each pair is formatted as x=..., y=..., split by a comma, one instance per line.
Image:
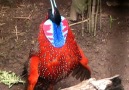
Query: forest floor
x=108, y=51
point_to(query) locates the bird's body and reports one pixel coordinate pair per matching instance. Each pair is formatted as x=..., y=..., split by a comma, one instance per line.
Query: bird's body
x=57, y=63
x=56, y=55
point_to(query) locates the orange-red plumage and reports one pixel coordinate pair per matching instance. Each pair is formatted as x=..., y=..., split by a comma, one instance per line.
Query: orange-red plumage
x=57, y=60
x=53, y=64
x=49, y=64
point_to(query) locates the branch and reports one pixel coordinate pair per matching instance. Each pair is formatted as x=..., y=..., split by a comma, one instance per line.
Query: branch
x=28, y=18
x=1, y=24
x=79, y=22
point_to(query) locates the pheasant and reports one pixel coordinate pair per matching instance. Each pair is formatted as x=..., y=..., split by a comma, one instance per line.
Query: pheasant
x=56, y=53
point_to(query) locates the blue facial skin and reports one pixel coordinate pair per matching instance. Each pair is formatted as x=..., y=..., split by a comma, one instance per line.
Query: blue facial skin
x=59, y=40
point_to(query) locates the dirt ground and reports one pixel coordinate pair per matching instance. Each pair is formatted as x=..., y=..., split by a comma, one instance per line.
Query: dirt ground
x=108, y=51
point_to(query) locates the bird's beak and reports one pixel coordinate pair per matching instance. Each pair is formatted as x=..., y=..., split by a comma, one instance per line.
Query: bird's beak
x=53, y=5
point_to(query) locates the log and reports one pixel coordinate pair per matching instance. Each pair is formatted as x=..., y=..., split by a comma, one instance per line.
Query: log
x=112, y=83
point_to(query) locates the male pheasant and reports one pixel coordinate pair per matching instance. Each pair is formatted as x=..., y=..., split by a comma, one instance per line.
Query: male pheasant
x=56, y=53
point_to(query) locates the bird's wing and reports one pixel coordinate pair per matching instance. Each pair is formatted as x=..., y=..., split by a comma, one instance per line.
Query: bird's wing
x=33, y=51
x=82, y=72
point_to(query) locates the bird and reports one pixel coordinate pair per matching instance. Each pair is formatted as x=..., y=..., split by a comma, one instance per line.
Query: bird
x=55, y=54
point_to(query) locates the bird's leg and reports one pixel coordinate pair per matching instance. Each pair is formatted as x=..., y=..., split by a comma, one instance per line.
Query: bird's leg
x=33, y=72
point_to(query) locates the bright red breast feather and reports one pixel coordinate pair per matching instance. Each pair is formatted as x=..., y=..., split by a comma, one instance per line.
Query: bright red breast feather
x=57, y=63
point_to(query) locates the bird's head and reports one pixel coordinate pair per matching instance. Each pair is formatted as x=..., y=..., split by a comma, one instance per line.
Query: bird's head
x=53, y=13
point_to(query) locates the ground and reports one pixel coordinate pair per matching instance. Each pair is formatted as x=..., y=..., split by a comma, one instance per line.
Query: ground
x=108, y=51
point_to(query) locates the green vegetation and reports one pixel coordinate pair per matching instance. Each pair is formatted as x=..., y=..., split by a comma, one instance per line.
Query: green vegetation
x=9, y=78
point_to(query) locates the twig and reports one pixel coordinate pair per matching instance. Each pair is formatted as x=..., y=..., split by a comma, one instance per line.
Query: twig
x=113, y=77
x=79, y=22
x=28, y=18
x=100, y=2
x=1, y=24
x=96, y=15
x=111, y=21
x=83, y=24
x=93, y=16
x=16, y=32
x=89, y=14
